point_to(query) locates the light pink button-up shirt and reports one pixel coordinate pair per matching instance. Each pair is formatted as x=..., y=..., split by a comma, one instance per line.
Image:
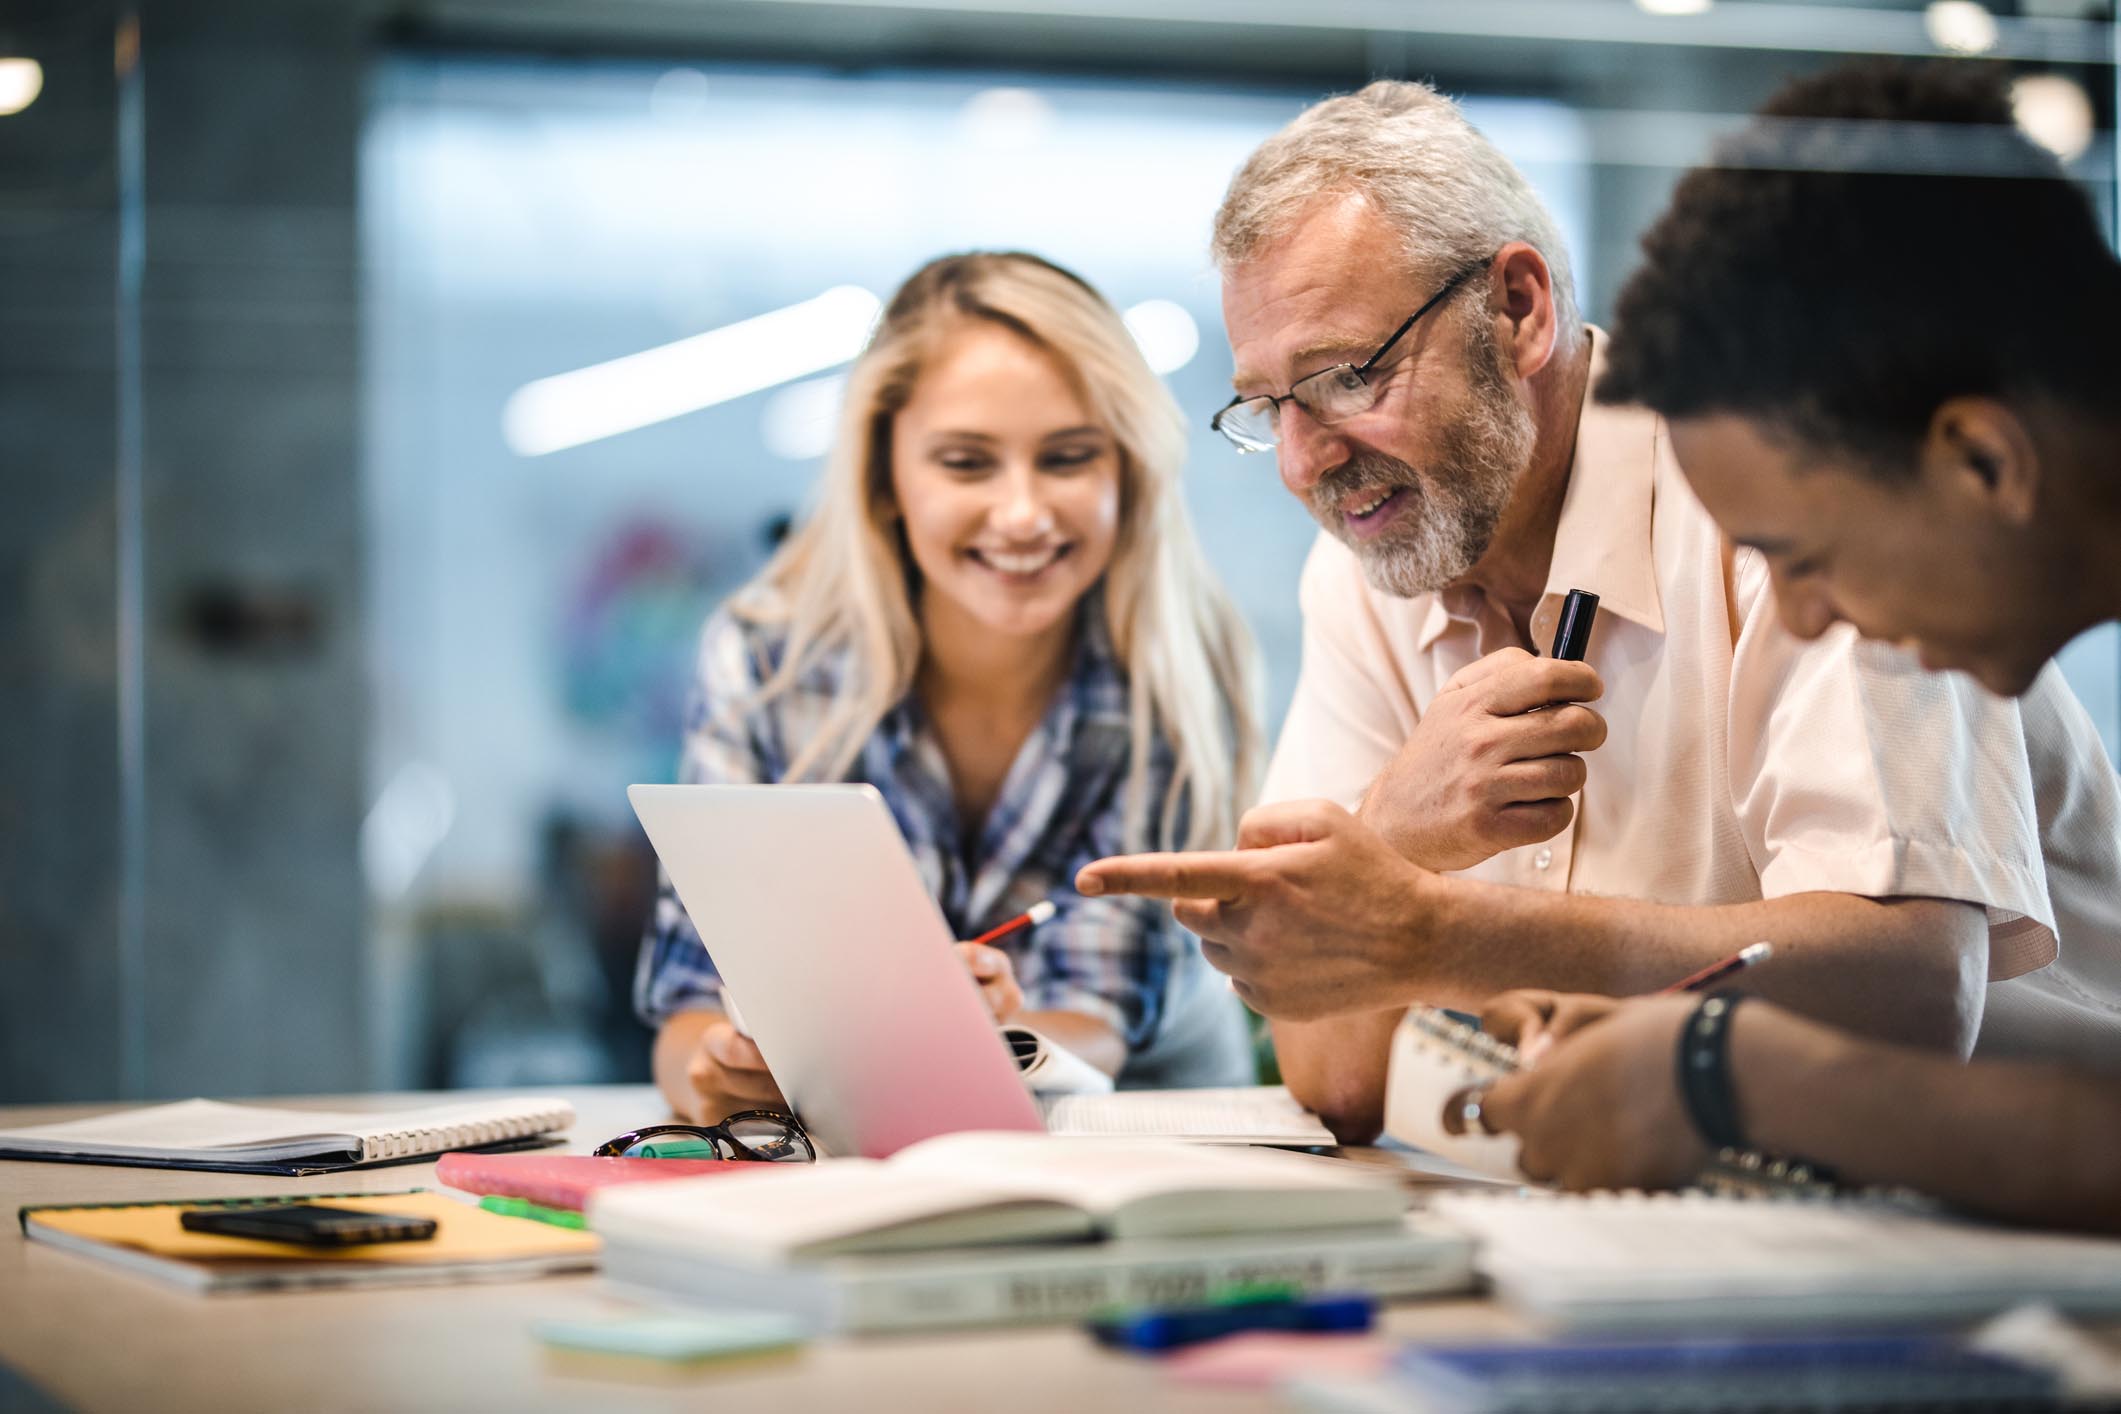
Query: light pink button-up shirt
x=1743, y=763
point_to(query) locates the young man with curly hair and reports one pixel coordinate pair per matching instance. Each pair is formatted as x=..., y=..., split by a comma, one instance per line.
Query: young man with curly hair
x=1880, y=327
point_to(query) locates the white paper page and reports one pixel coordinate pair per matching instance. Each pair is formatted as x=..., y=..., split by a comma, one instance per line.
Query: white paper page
x=786, y=1208
x=1255, y=1114
x=1105, y=1174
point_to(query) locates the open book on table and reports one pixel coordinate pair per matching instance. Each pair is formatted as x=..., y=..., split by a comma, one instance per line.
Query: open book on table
x=979, y=1188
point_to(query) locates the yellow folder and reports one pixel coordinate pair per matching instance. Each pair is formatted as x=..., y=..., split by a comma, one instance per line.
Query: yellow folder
x=463, y=1234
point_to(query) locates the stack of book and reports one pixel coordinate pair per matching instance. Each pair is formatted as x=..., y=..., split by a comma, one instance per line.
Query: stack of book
x=977, y=1229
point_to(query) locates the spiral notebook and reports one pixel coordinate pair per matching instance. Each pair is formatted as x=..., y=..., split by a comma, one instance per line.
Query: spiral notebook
x=1698, y=1261
x=1438, y=1060
x=223, y=1138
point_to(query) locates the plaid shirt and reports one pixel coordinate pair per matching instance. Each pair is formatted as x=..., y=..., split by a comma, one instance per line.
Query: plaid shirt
x=1061, y=806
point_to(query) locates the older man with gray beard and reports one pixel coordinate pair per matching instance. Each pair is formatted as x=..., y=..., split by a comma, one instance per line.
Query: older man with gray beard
x=1408, y=345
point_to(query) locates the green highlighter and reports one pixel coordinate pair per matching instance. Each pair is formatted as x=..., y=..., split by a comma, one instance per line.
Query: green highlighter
x=677, y=1147
x=536, y=1212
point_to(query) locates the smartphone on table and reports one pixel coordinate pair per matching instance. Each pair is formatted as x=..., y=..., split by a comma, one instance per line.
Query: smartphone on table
x=309, y=1225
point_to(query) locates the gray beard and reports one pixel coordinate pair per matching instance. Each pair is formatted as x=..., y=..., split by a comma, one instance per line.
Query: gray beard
x=1457, y=501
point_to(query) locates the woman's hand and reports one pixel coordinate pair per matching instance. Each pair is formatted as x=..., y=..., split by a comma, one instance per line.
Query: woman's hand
x=726, y=1073
x=996, y=975
x=1601, y=1108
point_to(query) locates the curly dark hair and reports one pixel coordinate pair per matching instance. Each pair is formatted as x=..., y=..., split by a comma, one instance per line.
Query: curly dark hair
x=1880, y=239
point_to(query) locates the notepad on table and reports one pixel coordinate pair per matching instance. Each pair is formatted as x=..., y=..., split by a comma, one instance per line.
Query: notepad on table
x=1435, y=1058
x=210, y=1135
x=1692, y=1261
x=468, y=1245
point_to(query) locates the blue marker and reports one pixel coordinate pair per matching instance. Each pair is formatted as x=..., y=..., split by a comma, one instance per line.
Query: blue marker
x=1153, y=1331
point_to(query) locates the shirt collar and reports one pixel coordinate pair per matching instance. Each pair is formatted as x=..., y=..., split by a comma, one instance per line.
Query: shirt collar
x=1602, y=541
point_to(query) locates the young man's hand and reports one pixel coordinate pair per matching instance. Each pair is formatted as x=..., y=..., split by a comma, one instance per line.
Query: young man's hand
x=1483, y=771
x=1312, y=914
x=1599, y=1107
x=1532, y=1019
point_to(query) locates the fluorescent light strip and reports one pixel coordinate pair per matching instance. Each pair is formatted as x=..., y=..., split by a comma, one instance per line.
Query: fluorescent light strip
x=1730, y=24
x=655, y=385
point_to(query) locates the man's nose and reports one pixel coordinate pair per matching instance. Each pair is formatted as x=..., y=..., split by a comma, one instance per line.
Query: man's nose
x=1307, y=450
x=1806, y=610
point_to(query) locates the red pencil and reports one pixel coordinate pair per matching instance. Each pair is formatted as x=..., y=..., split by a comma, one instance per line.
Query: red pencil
x=1031, y=917
x=1739, y=961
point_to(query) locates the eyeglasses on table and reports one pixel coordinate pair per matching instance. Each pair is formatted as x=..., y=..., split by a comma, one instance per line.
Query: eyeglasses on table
x=756, y=1136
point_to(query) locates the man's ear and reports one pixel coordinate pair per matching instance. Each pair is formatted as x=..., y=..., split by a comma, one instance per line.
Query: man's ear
x=1521, y=300
x=1978, y=449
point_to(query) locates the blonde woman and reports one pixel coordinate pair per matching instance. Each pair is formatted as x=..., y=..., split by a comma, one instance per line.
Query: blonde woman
x=998, y=616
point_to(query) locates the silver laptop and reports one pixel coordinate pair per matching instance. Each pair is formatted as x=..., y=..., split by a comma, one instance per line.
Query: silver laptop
x=824, y=932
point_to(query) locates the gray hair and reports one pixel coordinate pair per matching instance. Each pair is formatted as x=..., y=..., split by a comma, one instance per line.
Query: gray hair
x=1411, y=153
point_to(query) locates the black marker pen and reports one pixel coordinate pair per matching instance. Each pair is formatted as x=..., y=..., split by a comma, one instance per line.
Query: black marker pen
x=1572, y=636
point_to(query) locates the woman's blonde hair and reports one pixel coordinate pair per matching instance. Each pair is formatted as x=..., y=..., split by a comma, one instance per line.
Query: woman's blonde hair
x=841, y=582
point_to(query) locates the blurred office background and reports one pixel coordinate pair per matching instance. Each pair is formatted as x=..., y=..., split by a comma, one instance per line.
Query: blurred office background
x=332, y=630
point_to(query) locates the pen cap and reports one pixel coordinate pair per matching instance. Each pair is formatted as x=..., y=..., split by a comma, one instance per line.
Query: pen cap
x=1573, y=634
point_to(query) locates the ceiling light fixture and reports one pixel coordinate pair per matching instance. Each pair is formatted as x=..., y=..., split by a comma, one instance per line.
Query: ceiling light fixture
x=1166, y=334
x=655, y=385
x=21, y=80
x=2054, y=111
x=1962, y=26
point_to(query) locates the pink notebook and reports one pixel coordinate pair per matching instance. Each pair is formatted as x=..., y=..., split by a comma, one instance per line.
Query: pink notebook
x=1263, y=1359
x=566, y=1180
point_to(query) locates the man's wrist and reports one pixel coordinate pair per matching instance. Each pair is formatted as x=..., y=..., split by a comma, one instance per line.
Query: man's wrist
x=1781, y=1067
x=1407, y=841
x=1704, y=1071
x=1427, y=902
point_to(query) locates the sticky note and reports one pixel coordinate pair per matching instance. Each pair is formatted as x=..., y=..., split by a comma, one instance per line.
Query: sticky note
x=677, y=1339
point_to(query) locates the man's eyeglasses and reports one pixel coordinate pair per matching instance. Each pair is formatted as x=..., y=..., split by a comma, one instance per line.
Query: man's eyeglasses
x=762, y=1136
x=1330, y=395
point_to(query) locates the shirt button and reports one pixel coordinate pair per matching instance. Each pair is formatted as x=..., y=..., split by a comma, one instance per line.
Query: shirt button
x=1543, y=859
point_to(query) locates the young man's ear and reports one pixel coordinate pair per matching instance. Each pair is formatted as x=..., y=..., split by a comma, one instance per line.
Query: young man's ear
x=1979, y=449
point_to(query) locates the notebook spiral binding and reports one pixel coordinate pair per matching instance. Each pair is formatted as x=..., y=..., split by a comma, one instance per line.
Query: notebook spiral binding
x=436, y=1139
x=1731, y=1173
x=1463, y=1038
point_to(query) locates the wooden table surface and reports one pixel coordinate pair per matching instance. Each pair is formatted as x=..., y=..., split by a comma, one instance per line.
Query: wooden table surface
x=89, y=1336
